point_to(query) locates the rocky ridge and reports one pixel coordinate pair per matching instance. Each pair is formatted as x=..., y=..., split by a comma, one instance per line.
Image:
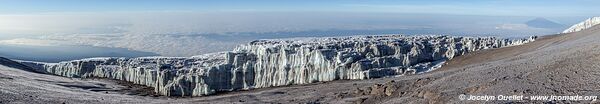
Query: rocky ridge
x=268, y=63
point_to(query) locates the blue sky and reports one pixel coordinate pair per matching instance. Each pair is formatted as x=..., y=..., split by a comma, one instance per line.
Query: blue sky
x=543, y=8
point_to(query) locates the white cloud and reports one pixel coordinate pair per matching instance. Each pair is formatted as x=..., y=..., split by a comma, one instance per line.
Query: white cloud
x=35, y=42
x=53, y=24
x=513, y=27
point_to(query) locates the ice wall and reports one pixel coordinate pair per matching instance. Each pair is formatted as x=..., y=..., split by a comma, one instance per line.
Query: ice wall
x=583, y=25
x=267, y=63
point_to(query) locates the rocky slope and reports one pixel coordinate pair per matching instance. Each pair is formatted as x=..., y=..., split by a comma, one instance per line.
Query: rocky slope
x=583, y=25
x=268, y=63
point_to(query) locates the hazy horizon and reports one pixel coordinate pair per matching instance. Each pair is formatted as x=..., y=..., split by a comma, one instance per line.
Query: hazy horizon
x=187, y=28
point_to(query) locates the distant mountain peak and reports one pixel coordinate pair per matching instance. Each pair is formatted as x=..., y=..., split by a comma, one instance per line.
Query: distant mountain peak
x=543, y=23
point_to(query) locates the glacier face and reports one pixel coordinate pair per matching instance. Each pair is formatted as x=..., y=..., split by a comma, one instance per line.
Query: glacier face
x=267, y=63
x=583, y=25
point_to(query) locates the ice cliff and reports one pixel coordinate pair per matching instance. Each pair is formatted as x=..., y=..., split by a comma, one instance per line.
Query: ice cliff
x=267, y=63
x=583, y=25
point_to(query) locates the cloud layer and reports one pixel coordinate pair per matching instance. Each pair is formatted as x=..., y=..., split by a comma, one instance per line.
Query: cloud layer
x=193, y=33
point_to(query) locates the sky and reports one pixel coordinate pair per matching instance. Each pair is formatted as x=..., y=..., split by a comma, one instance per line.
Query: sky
x=544, y=8
x=193, y=27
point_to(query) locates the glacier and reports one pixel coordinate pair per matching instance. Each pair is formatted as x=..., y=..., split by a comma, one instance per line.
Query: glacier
x=280, y=62
x=583, y=25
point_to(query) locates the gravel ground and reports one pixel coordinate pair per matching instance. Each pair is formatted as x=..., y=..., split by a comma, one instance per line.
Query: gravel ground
x=562, y=64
